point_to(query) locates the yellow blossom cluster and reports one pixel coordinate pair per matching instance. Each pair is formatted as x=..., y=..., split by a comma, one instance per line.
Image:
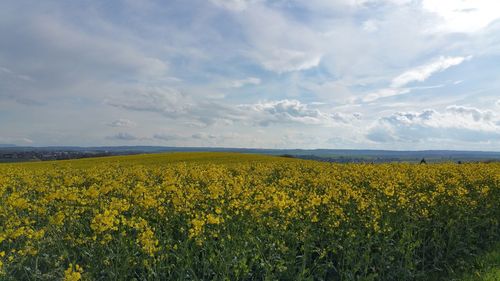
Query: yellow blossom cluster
x=73, y=273
x=242, y=217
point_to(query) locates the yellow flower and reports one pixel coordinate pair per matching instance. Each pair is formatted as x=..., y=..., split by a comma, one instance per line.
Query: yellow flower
x=196, y=227
x=2, y=254
x=211, y=219
x=73, y=273
x=148, y=242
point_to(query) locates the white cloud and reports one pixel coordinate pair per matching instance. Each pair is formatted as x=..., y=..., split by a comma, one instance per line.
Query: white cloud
x=5, y=70
x=291, y=111
x=287, y=60
x=204, y=112
x=283, y=111
x=244, y=82
x=370, y=26
x=386, y=92
x=455, y=123
x=15, y=140
x=279, y=43
x=329, y=5
x=421, y=73
x=463, y=15
x=11, y=74
x=178, y=79
x=122, y=123
x=471, y=112
x=235, y=5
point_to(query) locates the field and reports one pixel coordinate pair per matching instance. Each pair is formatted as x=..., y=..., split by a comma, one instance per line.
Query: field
x=224, y=216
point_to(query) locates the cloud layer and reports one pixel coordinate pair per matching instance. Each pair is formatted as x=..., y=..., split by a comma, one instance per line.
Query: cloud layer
x=391, y=74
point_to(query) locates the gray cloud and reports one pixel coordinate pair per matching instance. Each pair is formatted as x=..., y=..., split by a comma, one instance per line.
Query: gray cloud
x=176, y=105
x=123, y=136
x=166, y=101
x=28, y=101
x=455, y=123
x=167, y=137
x=204, y=136
x=44, y=56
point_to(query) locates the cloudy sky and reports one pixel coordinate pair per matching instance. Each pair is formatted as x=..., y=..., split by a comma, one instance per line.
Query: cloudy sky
x=380, y=74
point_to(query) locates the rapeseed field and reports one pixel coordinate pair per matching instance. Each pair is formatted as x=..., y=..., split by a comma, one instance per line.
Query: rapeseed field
x=222, y=216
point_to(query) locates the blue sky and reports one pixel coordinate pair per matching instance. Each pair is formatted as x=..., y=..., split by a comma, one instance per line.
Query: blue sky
x=387, y=74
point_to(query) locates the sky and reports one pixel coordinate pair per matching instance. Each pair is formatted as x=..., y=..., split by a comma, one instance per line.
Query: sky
x=357, y=74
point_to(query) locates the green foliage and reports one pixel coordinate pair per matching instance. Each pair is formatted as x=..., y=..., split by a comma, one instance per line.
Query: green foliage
x=222, y=216
x=485, y=267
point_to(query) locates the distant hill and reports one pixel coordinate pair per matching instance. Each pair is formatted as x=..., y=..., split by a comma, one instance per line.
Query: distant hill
x=11, y=153
x=7, y=145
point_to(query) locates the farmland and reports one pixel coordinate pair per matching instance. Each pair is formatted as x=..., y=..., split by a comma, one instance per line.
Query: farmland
x=229, y=216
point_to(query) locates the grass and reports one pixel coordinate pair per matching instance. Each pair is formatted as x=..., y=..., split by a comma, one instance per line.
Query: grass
x=484, y=268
